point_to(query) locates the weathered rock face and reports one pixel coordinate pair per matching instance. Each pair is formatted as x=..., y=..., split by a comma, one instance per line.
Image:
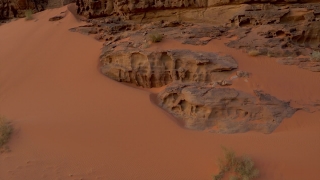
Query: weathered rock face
x=279, y=31
x=286, y=28
x=16, y=8
x=101, y=7
x=278, y=28
x=122, y=7
x=125, y=56
x=156, y=69
x=259, y=15
x=223, y=110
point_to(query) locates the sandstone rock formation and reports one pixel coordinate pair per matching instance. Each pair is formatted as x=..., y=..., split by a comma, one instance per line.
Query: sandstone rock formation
x=123, y=7
x=187, y=33
x=156, y=69
x=223, y=110
x=289, y=29
x=16, y=8
x=279, y=31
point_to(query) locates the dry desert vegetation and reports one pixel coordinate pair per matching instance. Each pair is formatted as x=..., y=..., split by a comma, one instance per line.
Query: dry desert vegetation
x=240, y=167
x=5, y=132
x=140, y=90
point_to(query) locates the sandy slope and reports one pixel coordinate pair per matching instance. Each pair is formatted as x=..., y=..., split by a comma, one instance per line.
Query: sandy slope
x=72, y=122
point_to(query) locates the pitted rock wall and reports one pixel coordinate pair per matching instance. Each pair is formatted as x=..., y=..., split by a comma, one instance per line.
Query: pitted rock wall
x=156, y=69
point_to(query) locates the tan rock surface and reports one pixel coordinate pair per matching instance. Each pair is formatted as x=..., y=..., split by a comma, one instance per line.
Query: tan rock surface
x=156, y=69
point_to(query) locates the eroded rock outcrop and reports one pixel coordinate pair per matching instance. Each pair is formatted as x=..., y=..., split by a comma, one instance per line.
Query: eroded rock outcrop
x=16, y=8
x=187, y=33
x=289, y=31
x=279, y=31
x=124, y=7
x=223, y=110
x=268, y=27
x=155, y=69
x=259, y=15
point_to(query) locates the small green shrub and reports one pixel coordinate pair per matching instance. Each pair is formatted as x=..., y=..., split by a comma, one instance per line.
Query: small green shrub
x=156, y=37
x=242, y=167
x=315, y=56
x=28, y=13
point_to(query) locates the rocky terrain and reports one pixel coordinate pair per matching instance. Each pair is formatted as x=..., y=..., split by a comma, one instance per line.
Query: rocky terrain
x=286, y=30
x=129, y=7
x=273, y=28
x=16, y=8
x=72, y=121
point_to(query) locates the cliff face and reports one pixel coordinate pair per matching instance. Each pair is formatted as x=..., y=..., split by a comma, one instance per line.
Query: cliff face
x=121, y=7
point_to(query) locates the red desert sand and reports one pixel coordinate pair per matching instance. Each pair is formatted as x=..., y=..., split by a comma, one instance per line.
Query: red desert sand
x=72, y=122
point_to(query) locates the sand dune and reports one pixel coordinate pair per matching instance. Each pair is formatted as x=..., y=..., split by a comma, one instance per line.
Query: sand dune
x=74, y=123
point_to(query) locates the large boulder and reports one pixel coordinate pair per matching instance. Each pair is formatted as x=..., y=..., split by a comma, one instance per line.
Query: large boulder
x=155, y=69
x=223, y=110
